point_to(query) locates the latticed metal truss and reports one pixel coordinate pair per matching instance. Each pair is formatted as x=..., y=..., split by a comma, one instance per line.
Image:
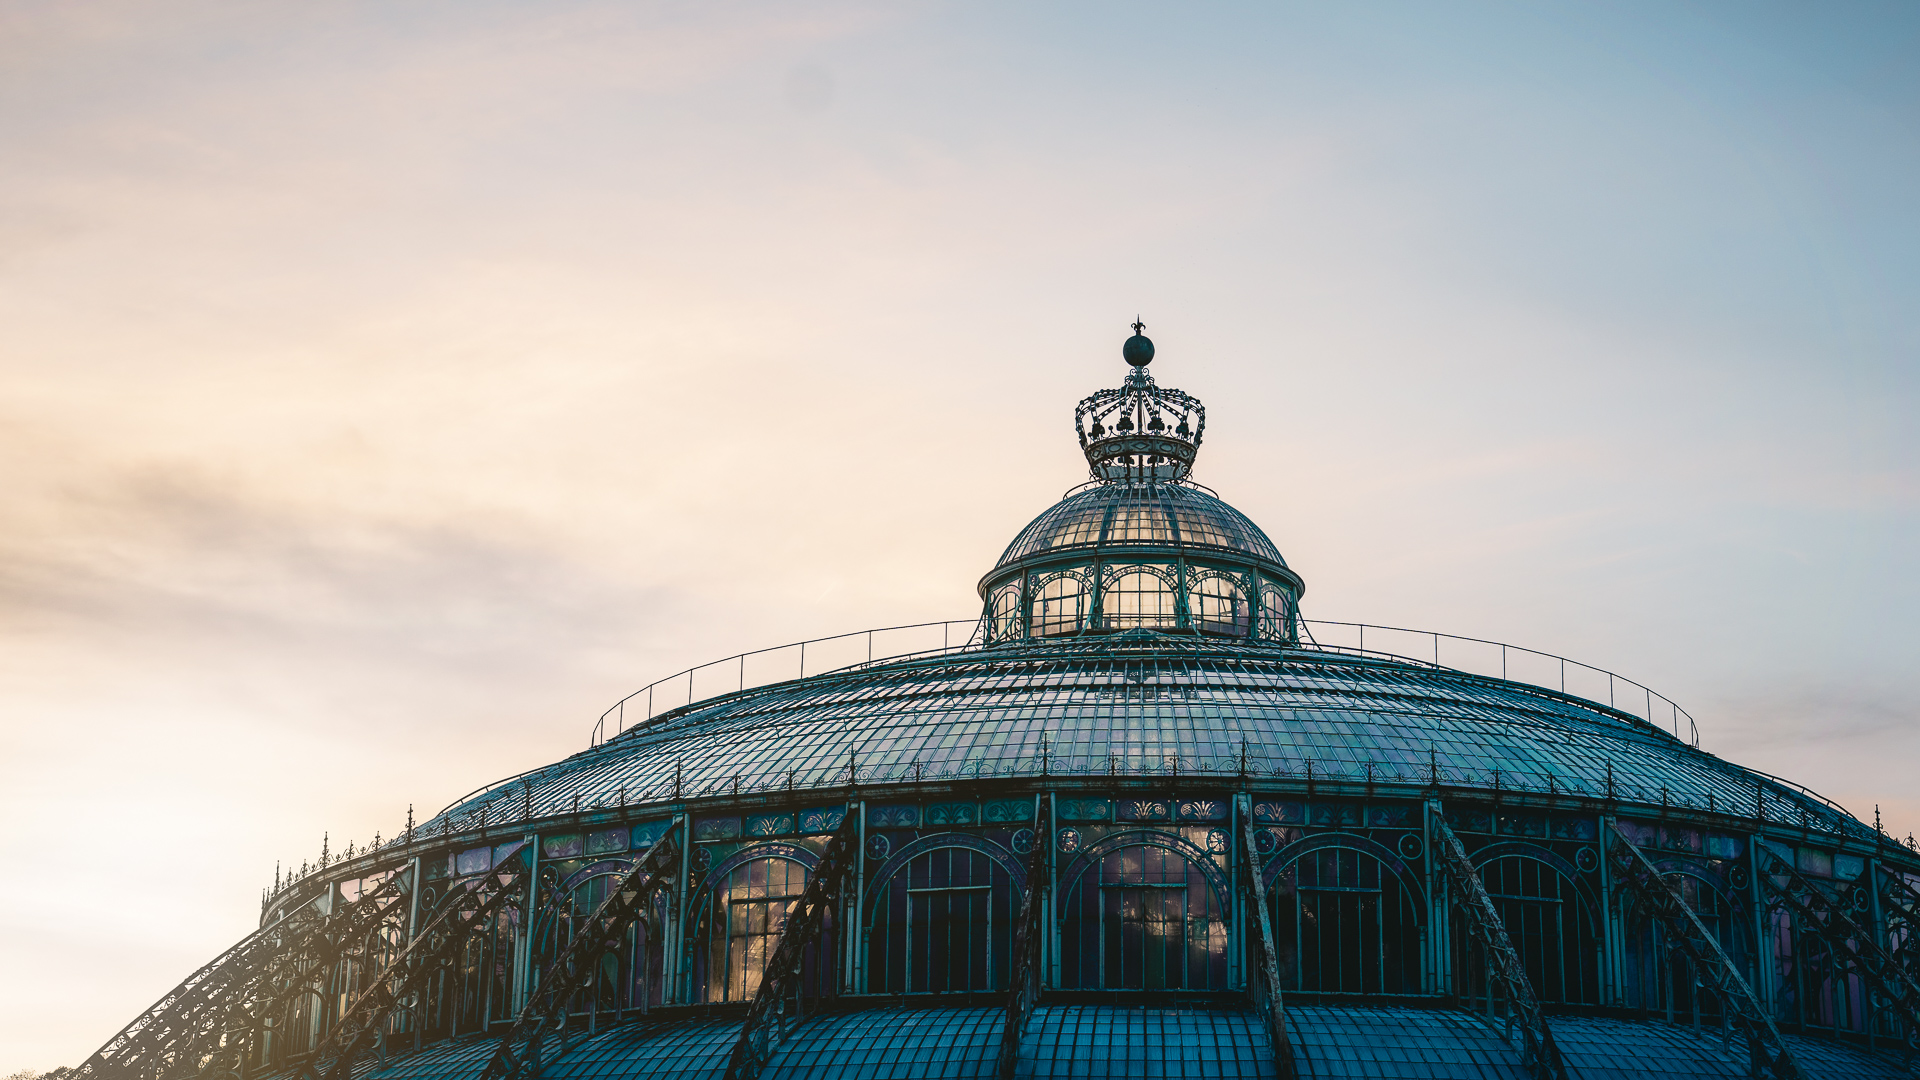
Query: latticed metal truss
x=1023, y=990
x=776, y=1003
x=1503, y=965
x=1263, y=976
x=1768, y=1055
x=1818, y=910
x=578, y=966
x=210, y=1021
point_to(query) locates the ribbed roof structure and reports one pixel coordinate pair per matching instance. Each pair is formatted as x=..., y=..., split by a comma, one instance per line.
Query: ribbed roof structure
x=1147, y=705
x=1169, y=514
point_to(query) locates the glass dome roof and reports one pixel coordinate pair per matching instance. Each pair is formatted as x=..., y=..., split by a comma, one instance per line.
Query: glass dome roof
x=1154, y=706
x=1157, y=514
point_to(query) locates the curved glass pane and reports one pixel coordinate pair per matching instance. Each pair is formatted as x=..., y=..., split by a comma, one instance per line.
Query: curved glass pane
x=1143, y=918
x=1218, y=605
x=943, y=924
x=1344, y=924
x=1166, y=514
x=1551, y=927
x=1006, y=612
x=1276, y=612
x=1137, y=599
x=742, y=924
x=1060, y=606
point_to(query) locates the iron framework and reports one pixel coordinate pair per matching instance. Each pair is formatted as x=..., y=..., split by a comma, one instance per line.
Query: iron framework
x=768, y=1018
x=1767, y=1053
x=1538, y=1052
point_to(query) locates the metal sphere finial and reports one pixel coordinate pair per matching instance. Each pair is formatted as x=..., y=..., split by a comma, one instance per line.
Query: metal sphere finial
x=1138, y=350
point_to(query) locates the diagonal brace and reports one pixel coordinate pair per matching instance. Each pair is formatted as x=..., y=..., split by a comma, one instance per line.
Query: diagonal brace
x=1263, y=977
x=761, y=1032
x=459, y=917
x=1024, y=994
x=1814, y=910
x=1538, y=1053
x=1768, y=1055
x=605, y=931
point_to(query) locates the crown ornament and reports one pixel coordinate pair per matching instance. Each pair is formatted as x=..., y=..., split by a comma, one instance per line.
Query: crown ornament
x=1140, y=433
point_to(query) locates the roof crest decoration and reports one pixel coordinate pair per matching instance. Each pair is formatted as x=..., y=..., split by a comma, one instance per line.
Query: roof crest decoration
x=1140, y=433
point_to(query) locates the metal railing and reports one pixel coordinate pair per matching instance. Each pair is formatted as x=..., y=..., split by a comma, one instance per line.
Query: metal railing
x=1543, y=669
x=781, y=663
x=845, y=652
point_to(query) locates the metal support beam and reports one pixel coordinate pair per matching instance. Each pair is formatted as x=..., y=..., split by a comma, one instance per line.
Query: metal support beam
x=1889, y=986
x=1538, y=1054
x=578, y=965
x=1263, y=970
x=464, y=912
x=1024, y=993
x=766, y=1023
x=1767, y=1053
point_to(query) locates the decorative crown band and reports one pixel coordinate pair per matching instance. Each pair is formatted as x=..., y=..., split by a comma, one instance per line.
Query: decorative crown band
x=1140, y=432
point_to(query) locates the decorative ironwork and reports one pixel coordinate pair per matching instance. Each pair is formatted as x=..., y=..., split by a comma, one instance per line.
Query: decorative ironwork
x=1892, y=988
x=468, y=906
x=1538, y=1054
x=209, y=1021
x=1023, y=993
x=1768, y=1055
x=767, y=1015
x=578, y=965
x=1901, y=917
x=1263, y=974
x=1140, y=432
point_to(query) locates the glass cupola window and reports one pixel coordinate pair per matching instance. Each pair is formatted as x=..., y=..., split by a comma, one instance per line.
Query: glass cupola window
x=1141, y=547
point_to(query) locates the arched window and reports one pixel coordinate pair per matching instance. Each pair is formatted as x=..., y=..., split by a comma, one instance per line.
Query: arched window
x=1006, y=612
x=942, y=924
x=1656, y=978
x=1216, y=604
x=1136, y=598
x=1551, y=924
x=1142, y=918
x=741, y=922
x=1345, y=923
x=1059, y=605
x=1276, y=613
x=1813, y=986
x=629, y=977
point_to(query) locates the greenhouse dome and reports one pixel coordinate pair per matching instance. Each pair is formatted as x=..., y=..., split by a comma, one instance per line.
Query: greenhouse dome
x=1138, y=817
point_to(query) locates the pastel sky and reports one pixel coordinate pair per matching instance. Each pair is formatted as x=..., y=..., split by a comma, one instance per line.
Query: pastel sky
x=386, y=389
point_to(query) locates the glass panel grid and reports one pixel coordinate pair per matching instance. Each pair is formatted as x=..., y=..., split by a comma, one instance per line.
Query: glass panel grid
x=1208, y=707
